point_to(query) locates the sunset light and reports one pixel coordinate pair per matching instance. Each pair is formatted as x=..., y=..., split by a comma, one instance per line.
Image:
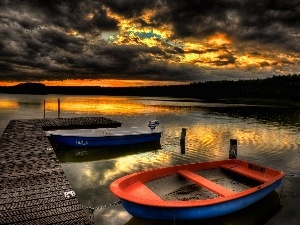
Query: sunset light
x=106, y=105
x=117, y=43
x=8, y=105
x=109, y=83
x=219, y=39
x=154, y=94
x=101, y=83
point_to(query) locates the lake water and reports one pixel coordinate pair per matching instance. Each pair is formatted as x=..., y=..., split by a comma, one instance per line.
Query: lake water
x=267, y=134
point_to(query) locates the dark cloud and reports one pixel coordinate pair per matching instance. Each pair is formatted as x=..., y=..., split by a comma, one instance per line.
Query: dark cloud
x=265, y=21
x=129, y=8
x=225, y=59
x=69, y=14
x=196, y=18
x=4, y=67
x=55, y=39
x=61, y=41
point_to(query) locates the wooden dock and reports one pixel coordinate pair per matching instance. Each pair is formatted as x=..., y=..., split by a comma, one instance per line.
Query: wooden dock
x=33, y=186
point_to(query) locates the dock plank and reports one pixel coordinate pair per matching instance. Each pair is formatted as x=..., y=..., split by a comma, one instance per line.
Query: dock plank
x=32, y=181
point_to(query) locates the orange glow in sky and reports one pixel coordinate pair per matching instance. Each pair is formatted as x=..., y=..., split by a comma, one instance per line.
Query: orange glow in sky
x=108, y=83
x=219, y=39
x=8, y=83
x=155, y=43
x=100, y=83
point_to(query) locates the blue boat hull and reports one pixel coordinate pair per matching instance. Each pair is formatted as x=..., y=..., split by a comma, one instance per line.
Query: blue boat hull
x=77, y=141
x=194, y=213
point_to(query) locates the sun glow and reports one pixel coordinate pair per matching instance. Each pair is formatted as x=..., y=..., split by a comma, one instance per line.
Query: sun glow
x=73, y=32
x=109, y=83
x=90, y=16
x=99, y=83
x=246, y=61
x=132, y=33
x=192, y=57
x=219, y=39
x=191, y=46
x=209, y=52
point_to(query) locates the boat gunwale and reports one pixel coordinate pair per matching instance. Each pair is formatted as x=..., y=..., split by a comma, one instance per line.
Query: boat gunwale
x=118, y=187
x=60, y=133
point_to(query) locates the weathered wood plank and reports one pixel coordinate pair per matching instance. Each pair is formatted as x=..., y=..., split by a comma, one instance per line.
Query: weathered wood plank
x=32, y=182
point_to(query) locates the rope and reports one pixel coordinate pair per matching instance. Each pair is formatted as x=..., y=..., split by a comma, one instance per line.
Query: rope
x=92, y=209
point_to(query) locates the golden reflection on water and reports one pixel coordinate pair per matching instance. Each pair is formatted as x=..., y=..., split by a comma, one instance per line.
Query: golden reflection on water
x=104, y=104
x=121, y=165
x=208, y=137
x=262, y=136
x=134, y=163
x=6, y=104
x=268, y=142
x=212, y=140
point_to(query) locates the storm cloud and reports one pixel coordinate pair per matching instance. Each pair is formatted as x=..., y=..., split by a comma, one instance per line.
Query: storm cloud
x=163, y=40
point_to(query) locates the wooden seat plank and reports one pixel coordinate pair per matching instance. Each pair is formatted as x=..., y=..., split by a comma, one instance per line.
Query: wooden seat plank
x=216, y=188
x=245, y=171
x=139, y=189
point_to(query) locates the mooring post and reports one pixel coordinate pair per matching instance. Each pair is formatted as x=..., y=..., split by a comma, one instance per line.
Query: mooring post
x=182, y=140
x=58, y=106
x=233, y=149
x=44, y=109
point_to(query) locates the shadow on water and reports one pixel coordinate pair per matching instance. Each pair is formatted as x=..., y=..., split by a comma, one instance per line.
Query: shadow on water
x=65, y=154
x=256, y=214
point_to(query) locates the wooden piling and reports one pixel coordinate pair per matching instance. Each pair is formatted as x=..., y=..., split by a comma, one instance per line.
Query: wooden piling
x=182, y=140
x=58, y=108
x=233, y=149
x=44, y=109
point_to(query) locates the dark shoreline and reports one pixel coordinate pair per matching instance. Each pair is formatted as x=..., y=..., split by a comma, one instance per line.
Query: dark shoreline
x=276, y=87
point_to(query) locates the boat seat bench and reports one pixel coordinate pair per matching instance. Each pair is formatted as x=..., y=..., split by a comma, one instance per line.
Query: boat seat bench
x=218, y=189
x=245, y=171
x=139, y=189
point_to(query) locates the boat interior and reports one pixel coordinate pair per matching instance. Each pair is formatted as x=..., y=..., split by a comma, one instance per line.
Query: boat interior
x=210, y=183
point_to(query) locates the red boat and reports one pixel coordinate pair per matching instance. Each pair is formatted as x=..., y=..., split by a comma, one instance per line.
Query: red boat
x=195, y=191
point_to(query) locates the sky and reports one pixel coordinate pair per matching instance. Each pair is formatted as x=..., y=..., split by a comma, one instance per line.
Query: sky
x=147, y=42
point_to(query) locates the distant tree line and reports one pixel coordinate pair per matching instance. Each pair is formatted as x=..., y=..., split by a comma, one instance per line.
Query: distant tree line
x=276, y=87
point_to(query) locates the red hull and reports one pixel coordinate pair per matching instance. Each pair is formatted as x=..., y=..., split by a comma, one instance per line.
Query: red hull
x=134, y=188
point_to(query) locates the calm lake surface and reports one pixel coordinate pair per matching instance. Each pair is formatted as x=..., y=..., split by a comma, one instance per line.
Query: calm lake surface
x=267, y=134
